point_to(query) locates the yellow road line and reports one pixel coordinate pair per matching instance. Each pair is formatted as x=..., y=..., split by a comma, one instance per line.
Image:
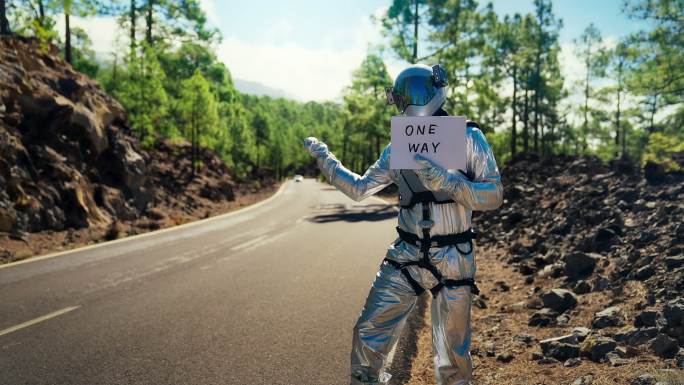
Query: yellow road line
x=151, y=233
x=37, y=320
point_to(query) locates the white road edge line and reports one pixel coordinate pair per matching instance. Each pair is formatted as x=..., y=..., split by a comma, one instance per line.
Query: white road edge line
x=151, y=233
x=38, y=320
x=249, y=243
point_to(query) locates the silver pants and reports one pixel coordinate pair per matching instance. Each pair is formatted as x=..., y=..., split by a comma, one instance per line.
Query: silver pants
x=382, y=319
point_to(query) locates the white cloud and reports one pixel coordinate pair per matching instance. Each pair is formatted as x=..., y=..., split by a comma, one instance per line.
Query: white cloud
x=276, y=60
x=209, y=8
x=102, y=30
x=305, y=73
x=280, y=30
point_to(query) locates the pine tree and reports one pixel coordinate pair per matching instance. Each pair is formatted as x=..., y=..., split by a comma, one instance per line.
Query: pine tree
x=4, y=23
x=142, y=92
x=200, y=114
x=592, y=53
x=402, y=23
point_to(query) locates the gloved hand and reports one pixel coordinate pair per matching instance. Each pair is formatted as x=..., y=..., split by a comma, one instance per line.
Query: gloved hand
x=437, y=178
x=316, y=148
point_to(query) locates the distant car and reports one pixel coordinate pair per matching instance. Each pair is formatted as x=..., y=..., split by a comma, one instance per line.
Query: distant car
x=298, y=178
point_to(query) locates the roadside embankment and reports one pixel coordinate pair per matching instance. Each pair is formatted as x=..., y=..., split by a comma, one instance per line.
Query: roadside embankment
x=72, y=172
x=581, y=273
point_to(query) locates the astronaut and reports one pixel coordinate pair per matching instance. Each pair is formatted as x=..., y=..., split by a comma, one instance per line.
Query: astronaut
x=434, y=249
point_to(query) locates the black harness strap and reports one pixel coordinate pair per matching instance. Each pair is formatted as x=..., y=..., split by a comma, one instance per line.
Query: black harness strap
x=451, y=283
x=418, y=192
x=426, y=242
x=402, y=267
x=441, y=240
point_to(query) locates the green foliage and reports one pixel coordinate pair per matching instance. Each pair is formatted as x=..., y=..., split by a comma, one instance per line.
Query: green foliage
x=660, y=148
x=140, y=89
x=171, y=83
x=198, y=112
x=403, y=23
x=33, y=18
x=84, y=57
x=367, y=114
x=591, y=51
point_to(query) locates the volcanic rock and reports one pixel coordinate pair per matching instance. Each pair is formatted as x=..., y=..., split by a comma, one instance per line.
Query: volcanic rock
x=584, y=380
x=664, y=346
x=559, y=300
x=66, y=140
x=572, y=362
x=644, y=273
x=543, y=317
x=644, y=379
x=646, y=318
x=615, y=359
x=673, y=312
x=581, y=333
x=504, y=357
x=561, y=348
x=582, y=287
x=578, y=265
x=608, y=317
x=596, y=347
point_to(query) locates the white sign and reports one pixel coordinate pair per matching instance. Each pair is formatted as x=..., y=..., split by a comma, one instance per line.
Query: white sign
x=441, y=139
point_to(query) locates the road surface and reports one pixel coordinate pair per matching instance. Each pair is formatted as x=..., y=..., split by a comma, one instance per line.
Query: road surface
x=267, y=295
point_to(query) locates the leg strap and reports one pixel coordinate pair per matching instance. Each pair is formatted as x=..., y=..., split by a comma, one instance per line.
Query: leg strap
x=452, y=283
x=404, y=271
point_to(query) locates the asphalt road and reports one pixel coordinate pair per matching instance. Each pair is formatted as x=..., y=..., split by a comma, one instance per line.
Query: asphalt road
x=267, y=295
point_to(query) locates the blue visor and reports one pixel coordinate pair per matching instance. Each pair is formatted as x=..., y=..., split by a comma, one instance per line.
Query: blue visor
x=413, y=90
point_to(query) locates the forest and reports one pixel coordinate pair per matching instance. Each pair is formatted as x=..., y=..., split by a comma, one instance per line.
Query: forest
x=504, y=72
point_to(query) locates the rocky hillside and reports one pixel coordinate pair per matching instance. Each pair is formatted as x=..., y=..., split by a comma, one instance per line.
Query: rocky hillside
x=68, y=161
x=576, y=226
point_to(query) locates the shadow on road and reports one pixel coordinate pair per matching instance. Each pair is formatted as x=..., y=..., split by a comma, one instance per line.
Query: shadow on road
x=371, y=213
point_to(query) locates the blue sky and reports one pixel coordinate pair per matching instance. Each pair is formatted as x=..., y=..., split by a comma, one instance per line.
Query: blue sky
x=326, y=40
x=311, y=20
x=308, y=48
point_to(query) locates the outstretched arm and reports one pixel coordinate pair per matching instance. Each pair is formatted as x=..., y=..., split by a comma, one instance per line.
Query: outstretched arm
x=484, y=191
x=350, y=183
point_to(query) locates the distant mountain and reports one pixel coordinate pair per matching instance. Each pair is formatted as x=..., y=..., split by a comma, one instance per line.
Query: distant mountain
x=255, y=88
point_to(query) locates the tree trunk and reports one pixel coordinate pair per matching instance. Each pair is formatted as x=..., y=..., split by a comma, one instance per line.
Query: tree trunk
x=651, y=126
x=617, y=125
x=41, y=13
x=115, y=71
x=150, y=21
x=515, y=112
x=536, y=122
x=67, y=39
x=526, y=134
x=132, y=17
x=257, y=154
x=345, y=144
x=537, y=85
x=585, y=125
x=541, y=135
x=4, y=23
x=552, y=130
x=415, y=33
x=624, y=141
x=377, y=145
x=193, y=137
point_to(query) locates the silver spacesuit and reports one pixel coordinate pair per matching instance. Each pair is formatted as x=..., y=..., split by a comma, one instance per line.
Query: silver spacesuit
x=402, y=275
